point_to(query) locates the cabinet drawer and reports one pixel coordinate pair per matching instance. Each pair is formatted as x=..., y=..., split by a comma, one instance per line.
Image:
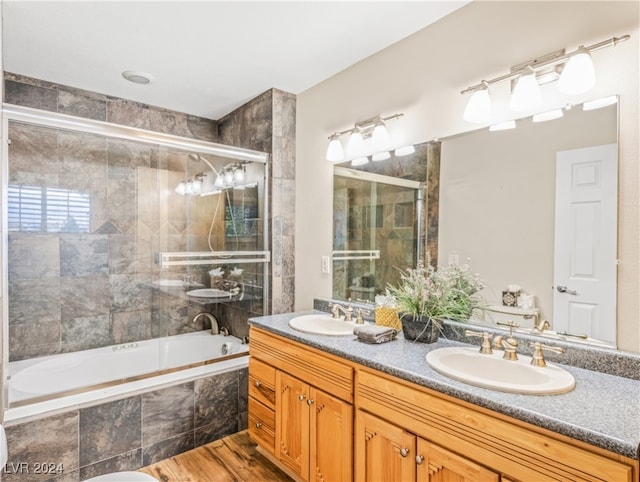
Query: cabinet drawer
x=514, y=448
x=262, y=425
x=262, y=382
x=332, y=374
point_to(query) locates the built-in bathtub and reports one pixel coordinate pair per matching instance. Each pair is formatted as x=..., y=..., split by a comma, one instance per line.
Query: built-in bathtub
x=89, y=375
x=127, y=406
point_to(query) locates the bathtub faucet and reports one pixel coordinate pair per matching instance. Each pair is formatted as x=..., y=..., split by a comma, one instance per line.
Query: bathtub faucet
x=215, y=328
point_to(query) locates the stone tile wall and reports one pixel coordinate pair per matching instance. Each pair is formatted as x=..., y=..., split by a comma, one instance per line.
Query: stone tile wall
x=129, y=433
x=267, y=123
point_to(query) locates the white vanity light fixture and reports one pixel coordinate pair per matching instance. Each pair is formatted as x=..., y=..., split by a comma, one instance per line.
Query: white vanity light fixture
x=578, y=74
x=574, y=71
x=404, y=151
x=478, y=108
x=335, y=153
x=380, y=156
x=360, y=161
x=526, y=94
x=548, y=115
x=503, y=126
x=366, y=138
x=601, y=102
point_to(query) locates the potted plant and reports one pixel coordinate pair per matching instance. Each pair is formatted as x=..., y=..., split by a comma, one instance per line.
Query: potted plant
x=426, y=296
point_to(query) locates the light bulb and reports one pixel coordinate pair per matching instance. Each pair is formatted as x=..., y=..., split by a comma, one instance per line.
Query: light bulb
x=503, y=126
x=526, y=94
x=404, y=151
x=547, y=116
x=359, y=161
x=196, y=187
x=219, y=181
x=181, y=188
x=335, y=153
x=479, y=107
x=380, y=137
x=601, y=102
x=238, y=175
x=355, y=146
x=381, y=156
x=228, y=177
x=578, y=75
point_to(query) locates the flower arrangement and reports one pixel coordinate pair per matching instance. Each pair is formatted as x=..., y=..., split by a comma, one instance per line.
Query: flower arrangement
x=428, y=295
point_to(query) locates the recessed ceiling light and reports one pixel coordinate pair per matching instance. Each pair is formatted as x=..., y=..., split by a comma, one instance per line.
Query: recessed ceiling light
x=138, y=77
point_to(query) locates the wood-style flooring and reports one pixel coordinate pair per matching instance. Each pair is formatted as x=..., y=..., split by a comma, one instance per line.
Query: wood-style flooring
x=233, y=458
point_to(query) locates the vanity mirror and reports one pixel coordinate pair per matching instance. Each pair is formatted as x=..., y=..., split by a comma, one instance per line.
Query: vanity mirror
x=496, y=207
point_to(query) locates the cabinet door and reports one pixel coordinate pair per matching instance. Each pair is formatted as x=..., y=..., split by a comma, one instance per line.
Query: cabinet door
x=331, y=438
x=292, y=423
x=384, y=452
x=436, y=464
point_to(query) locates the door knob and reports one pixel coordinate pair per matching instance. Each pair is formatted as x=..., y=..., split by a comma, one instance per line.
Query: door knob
x=419, y=459
x=258, y=424
x=302, y=396
x=257, y=383
x=563, y=289
x=404, y=452
x=310, y=401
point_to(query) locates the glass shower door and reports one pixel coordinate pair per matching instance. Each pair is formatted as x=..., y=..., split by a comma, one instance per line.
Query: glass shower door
x=376, y=233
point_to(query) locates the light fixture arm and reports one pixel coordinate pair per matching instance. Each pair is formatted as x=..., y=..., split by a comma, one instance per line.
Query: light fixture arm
x=365, y=124
x=553, y=60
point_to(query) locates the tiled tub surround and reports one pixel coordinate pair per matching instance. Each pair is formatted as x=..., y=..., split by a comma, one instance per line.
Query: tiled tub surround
x=602, y=410
x=87, y=281
x=131, y=432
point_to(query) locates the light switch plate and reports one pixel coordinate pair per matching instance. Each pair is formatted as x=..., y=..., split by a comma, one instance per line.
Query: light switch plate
x=326, y=265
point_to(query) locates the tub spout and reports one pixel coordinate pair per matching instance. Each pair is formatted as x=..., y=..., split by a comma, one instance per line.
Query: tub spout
x=215, y=328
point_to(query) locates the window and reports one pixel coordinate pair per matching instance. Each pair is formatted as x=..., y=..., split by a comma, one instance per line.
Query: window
x=50, y=210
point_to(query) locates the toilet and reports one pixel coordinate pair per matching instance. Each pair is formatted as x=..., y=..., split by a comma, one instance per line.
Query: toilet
x=123, y=477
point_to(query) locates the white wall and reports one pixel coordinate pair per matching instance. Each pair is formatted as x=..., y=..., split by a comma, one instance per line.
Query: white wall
x=422, y=76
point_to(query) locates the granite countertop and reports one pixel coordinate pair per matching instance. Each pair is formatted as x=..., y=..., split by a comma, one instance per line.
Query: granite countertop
x=603, y=410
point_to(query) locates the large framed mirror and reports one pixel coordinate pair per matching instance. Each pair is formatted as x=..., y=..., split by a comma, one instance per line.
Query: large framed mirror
x=494, y=206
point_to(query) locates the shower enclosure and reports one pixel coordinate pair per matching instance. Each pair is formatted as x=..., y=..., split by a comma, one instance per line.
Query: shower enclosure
x=378, y=230
x=113, y=235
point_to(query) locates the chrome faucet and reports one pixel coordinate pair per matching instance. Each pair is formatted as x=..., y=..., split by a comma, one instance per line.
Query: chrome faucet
x=215, y=328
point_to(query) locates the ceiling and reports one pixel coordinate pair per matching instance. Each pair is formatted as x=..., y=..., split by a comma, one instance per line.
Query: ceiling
x=207, y=57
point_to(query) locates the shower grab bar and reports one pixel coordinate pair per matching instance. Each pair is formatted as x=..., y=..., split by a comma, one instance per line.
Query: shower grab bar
x=349, y=254
x=186, y=258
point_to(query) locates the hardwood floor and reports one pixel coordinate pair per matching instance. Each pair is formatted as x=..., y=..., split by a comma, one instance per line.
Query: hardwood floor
x=233, y=458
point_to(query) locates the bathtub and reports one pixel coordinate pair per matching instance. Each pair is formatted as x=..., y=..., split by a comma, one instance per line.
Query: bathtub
x=87, y=377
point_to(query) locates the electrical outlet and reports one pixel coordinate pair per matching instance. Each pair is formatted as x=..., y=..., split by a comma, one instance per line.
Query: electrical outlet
x=326, y=265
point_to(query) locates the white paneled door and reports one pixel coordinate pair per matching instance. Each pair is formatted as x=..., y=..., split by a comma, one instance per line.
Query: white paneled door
x=585, y=251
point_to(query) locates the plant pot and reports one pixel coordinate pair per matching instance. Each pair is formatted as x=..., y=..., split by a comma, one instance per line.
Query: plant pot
x=418, y=328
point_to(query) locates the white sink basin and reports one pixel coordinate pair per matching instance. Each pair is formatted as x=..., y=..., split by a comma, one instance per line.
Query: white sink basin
x=322, y=325
x=467, y=365
x=209, y=293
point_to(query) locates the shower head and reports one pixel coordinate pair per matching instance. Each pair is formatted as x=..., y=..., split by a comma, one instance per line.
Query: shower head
x=194, y=156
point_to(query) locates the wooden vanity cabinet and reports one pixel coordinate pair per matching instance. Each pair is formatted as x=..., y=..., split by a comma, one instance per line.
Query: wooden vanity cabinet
x=458, y=441
x=324, y=418
x=387, y=453
x=313, y=437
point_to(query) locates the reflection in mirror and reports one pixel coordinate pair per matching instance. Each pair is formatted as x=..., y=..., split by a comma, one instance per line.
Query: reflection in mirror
x=377, y=226
x=492, y=201
x=534, y=209
x=380, y=224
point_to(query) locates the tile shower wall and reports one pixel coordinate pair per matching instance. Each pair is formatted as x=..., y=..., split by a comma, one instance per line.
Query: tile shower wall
x=132, y=432
x=85, y=282
x=267, y=123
